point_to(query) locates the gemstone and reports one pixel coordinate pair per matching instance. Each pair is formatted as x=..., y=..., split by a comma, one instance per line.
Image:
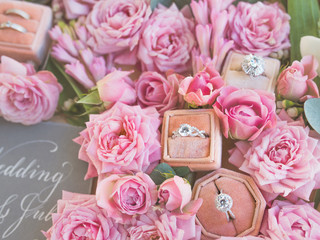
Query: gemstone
x=253, y=65
x=184, y=130
x=223, y=202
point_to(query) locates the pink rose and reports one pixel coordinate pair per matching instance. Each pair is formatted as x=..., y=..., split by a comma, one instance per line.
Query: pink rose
x=203, y=88
x=283, y=161
x=79, y=217
x=162, y=225
x=286, y=221
x=117, y=87
x=27, y=97
x=116, y=25
x=77, y=8
x=157, y=91
x=125, y=196
x=245, y=238
x=175, y=193
x=167, y=41
x=245, y=113
x=296, y=82
x=259, y=28
x=122, y=139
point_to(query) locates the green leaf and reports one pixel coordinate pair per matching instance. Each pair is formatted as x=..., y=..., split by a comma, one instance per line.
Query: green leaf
x=304, y=21
x=154, y=3
x=162, y=172
x=312, y=113
x=317, y=199
x=181, y=3
x=182, y=171
x=92, y=98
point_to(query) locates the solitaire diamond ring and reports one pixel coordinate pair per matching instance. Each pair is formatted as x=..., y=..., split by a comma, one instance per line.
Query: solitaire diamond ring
x=224, y=204
x=186, y=130
x=13, y=26
x=17, y=12
x=253, y=65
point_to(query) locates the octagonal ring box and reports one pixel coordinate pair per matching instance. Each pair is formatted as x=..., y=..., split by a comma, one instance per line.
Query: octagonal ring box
x=199, y=154
x=248, y=204
x=33, y=45
x=233, y=74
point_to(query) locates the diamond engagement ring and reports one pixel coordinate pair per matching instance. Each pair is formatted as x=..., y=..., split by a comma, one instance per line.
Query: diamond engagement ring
x=13, y=26
x=17, y=12
x=253, y=65
x=186, y=130
x=224, y=204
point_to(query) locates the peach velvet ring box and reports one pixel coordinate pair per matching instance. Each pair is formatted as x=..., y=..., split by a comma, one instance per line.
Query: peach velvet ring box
x=247, y=208
x=24, y=31
x=201, y=149
x=234, y=75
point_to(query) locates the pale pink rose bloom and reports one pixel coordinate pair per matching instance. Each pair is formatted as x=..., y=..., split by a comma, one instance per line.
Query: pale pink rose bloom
x=283, y=161
x=162, y=225
x=167, y=41
x=259, y=28
x=287, y=221
x=245, y=238
x=245, y=113
x=79, y=217
x=296, y=82
x=203, y=88
x=125, y=196
x=211, y=18
x=76, y=8
x=153, y=89
x=117, y=87
x=175, y=193
x=122, y=139
x=27, y=96
x=116, y=25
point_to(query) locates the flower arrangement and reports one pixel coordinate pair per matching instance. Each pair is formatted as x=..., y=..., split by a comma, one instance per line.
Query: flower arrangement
x=124, y=63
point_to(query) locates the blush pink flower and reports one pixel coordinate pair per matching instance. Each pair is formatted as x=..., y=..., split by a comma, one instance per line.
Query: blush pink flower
x=125, y=196
x=116, y=25
x=283, y=161
x=76, y=8
x=203, y=88
x=122, y=139
x=79, y=217
x=245, y=113
x=167, y=41
x=296, y=82
x=162, y=225
x=286, y=221
x=26, y=96
x=117, y=87
x=259, y=28
x=155, y=90
x=175, y=193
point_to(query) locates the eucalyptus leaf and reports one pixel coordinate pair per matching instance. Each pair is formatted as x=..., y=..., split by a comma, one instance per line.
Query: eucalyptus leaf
x=162, y=172
x=92, y=98
x=181, y=3
x=304, y=21
x=182, y=171
x=154, y=3
x=312, y=113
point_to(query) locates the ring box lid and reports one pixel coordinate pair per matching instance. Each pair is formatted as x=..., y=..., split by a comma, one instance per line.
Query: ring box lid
x=32, y=45
x=248, y=204
x=192, y=151
x=233, y=74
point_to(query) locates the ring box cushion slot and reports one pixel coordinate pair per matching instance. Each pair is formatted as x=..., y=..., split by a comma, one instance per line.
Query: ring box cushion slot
x=200, y=154
x=234, y=75
x=32, y=45
x=248, y=204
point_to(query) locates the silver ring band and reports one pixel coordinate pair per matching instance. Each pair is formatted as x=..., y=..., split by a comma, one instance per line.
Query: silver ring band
x=253, y=65
x=13, y=26
x=17, y=12
x=224, y=204
x=186, y=130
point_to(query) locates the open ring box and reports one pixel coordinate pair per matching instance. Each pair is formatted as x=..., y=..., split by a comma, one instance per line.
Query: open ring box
x=233, y=74
x=199, y=154
x=33, y=45
x=248, y=205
